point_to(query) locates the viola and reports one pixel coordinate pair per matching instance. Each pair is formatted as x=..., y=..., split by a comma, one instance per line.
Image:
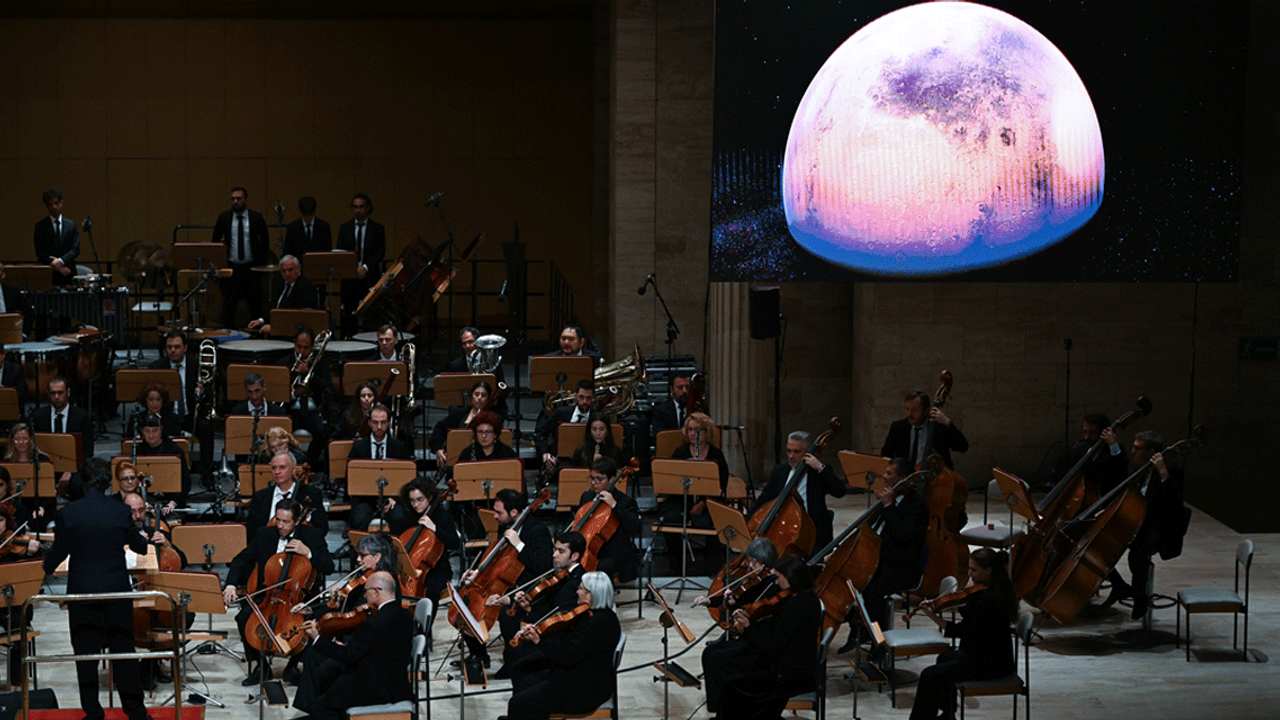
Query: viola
x=855, y=552
x=946, y=602
x=552, y=624
x=946, y=496
x=497, y=570
x=597, y=522
x=424, y=546
x=286, y=576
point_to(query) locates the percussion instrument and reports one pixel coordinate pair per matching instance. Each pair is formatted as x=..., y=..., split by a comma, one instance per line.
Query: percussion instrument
x=103, y=308
x=88, y=349
x=41, y=361
x=345, y=350
x=372, y=337
x=92, y=281
x=256, y=352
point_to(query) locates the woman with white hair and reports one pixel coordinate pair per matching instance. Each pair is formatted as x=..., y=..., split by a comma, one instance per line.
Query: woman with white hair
x=580, y=676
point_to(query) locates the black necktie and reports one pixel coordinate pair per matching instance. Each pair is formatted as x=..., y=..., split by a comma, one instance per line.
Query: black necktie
x=57, y=422
x=57, y=228
x=284, y=295
x=308, y=234
x=244, y=254
x=360, y=244
x=915, y=443
x=379, y=452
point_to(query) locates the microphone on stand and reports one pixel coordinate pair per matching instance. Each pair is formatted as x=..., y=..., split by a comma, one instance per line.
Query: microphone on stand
x=645, y=286
x=87, y=224
x=434, y=200
x=502, y=294
x=279, y=211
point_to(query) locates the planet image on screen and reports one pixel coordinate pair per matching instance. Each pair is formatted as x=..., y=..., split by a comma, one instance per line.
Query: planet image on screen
x=941, y=137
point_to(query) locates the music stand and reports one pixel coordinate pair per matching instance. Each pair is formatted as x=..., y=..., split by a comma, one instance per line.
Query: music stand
x=9, y=410
x=25, y=472
x=731, y=525
x=130, y=383
x=21, y=581
x=452, y=389
x=467, y=624
x=685, y=478
x=573, y=482
x=671, y=672
x=338, y=452
x=62, y=449
x=354, y=373
x=1016, y=495
x=372, y=477
x=10, y=328
x=255, y=477
x=197, y=256
x=856, y=465
x=29, y=278
x=322, y=268
x=277, y=387
x=284, y=321
x=239, y=434
x=569, y=437
x=481, y=480
x=197, y=592
x=165, y=472
x=553, y=374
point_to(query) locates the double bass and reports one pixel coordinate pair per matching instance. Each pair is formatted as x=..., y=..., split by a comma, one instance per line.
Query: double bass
x=498, y=569
x=597, y=522
x=1037, y=555
x=855, y=552
x=946, y=496
x=424, y=546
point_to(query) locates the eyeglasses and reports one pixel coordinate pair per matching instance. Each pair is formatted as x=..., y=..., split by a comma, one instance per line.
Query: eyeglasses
x=485, y=432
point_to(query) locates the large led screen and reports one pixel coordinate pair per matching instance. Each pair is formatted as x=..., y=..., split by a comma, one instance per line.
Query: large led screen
x=1019, y=141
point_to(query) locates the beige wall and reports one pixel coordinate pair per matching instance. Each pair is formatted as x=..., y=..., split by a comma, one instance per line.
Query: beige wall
x=145, y=124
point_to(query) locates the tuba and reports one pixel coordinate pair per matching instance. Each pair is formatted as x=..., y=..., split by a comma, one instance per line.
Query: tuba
x=208, y=369
x=301, y=384
x=617, y=386
x=485, y=358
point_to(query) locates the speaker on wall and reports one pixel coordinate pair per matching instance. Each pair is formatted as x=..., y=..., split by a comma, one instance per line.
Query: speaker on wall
x=766, y=318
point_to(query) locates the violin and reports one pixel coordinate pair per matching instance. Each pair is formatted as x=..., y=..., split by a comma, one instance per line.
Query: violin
x=597, y=522
x=760, y=609
x=552, y=624
x=335, y=623
x=543, y=585
x=337, y=598
x=946, y=602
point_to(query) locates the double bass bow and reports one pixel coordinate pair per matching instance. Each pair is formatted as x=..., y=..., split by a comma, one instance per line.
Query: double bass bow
x=597, y=522
x=496, y=571
x=945, y=496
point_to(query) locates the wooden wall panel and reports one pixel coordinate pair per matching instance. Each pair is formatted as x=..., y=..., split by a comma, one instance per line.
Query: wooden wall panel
x=83, y=78
x=126, y=89
x=207, y=124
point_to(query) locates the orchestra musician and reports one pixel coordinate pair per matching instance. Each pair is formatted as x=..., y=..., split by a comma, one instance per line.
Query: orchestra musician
x=93, y=532
x=297, y=293
x=521, y=662
x=573, y=343
x=617, y=558
x=698, y=428
x=12, y=301
x=138, y=512
x=670, y=414
x=22, y=448
x=597, y=441
x=816, y=481
x=458, y=418
x=285, y=487
x=548, y=427
x=985, y=651
x=279, y=441
x=349, y=424
x=56, y=239
x=907, y=437
x=901, y=525
x=415, y=498
x=308, y=233
x=467, y=336
x=369, y=668
x=485, y=445
x=1164, y=525
x=19, y=509
x=188, y=367
x=732, y=655
x=368, y=240
x=60, y=416
x=311, y=401
x=244, y=232
x=379, y=445
x=580, y=674
x=255, y=399
x=16, y=549
x=154, y=400
x=303, y=540
x=156, y=443
x=388, y=341
x=760, y=553
x=533, y=549
x=783, y=648
x=1107, y=469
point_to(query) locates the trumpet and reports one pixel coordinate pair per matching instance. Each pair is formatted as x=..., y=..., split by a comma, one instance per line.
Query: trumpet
x=208, y=369
x=301, y=384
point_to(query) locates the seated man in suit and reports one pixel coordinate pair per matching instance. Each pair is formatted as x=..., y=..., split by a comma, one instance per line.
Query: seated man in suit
x=284, y=486
x=308, y=233
x=255, y=400
x=60, y=416
x=468, y=336
x=187, y=364
x=573, y=343
x=310, y=401
x=815, y=481
x=549, y=425
x=379, y=445
x=670, y=414
x=290, y=536
x=297, y=293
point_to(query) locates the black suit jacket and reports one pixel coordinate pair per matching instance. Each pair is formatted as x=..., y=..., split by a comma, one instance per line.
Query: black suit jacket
x=375, y=247
x=789, y=643
x=536, y=555
x=321, y=384
x=946, y=438
x=902, y=547
x=255, y=555
x=192, y=367
x=11, y=375
x=295, y=238
x=374, y=662
x=819, y=486
x=77, y=421
x=618, y=554
x=362, y=449
x=259, y=241
x=66, y=245
x=582, y=675
x=261, y=512
x=274, y=409
x=303, y=297
x=95, y=529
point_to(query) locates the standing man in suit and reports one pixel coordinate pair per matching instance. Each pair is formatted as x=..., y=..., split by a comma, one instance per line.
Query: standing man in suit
x=308, y=233
x=907, y=437
x=378, y=445
x=368, y=240
x=244, y=232
x=903, y=522
x=815, y=481
x=284, y=487
x=93, y=532
x=57, y=240
x=372, y=662
x=60, y=416
x=290, y=536
x=296, y=293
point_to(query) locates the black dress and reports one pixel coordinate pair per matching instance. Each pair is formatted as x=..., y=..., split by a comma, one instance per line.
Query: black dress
x=985, y=652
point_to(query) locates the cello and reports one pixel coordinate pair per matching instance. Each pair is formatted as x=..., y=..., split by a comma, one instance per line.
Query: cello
x=286, y=576
x=498, y=569
x=946, y=496
x=597, y=522
x=1037, y=555
x=1105, y=531
x=424, y=546
x=855, y=552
